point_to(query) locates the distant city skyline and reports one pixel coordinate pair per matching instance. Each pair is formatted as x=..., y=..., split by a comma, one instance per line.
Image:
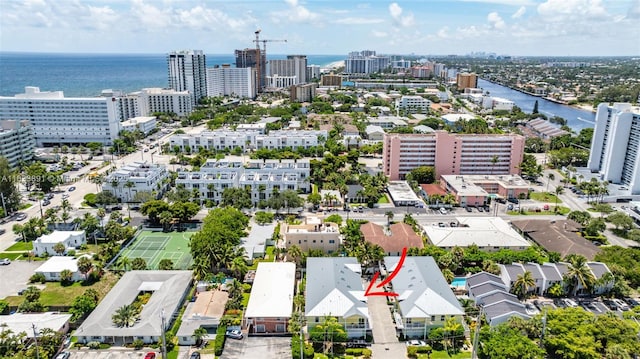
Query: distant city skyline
x=438, y=27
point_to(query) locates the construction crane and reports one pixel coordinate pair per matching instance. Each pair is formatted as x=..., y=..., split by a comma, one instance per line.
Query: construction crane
x=263, y=54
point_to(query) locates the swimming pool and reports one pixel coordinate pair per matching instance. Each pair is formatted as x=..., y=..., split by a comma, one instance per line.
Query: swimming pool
x=459, y=282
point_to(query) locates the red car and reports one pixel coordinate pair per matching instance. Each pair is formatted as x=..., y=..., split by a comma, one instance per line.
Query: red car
x=150, y=355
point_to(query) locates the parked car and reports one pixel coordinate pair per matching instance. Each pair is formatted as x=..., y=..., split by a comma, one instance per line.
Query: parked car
x=5, y=261
x=480, y=209
x=530, y=309
x=468, y=209
x=234, y=334
x=416, y=343
x=65, y=196
x=72, y=188
x=621, y=305
x=195, y=355
x=570, y=303
x=2, y=231
x=357, y=343
x=513, y=200
x=49, y=196
x=632, y=302
x=443, y=210
x=150, y=355
x=46, y=202
x=611, y=304
x=63, y=355
x=21, y=217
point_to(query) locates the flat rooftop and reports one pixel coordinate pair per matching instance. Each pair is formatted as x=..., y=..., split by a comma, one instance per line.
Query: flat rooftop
x=400, y=191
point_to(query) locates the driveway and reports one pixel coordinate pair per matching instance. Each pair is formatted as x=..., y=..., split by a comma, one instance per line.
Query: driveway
x=15, y=276
x=115, y=353
x=258, y=348
x=386, y=343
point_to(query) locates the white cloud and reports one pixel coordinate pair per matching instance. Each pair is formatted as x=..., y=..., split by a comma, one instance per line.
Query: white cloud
x=496, y=21
x=295, y=13
x=518, y=14
x=634, y=10
x=396, y=14
x=443, y=33
x=102, y=18
x=379, y=33
x=357, y=21
x=150, y=16
x=567, y=10
x=504, y=2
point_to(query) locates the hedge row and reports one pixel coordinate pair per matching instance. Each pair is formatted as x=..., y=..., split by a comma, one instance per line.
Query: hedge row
x=221, y=337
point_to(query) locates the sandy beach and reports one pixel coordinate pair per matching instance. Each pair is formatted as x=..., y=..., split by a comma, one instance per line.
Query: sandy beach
x=335, y=65
x=585, y=107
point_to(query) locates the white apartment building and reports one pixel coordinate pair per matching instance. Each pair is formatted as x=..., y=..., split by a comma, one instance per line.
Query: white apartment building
x=63, y=120
x=188, y=72
x=615, y=147
x=151, y=100
x=294, y=65
x=365, y=62
x=496, y=103
x=214, y=140
x=231, y=81
x=313, y=72
x=260, y=177
x=144, y=124
x=248, y=139
x=16, y=141
x=137, y=177
x=413, y=104
x=280, y=82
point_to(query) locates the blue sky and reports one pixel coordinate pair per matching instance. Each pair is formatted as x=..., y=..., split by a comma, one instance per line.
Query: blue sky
x=439, y=27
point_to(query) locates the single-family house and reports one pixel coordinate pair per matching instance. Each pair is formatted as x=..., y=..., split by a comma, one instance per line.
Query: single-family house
x=70, y=239
x=52, y=268
x=374, y=133
x=424, y=297
x=393, y=240
x=23, y=322
x=271, y=301
x=334, y=289
x=205, y=312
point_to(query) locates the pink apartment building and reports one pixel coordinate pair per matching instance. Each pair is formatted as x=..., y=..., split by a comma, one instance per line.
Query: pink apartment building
x=452, y=154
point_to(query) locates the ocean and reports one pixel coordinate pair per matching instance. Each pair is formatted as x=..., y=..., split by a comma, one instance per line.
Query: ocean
x=87, y=75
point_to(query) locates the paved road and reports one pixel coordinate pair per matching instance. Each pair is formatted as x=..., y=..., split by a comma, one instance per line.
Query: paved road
x=258, y=348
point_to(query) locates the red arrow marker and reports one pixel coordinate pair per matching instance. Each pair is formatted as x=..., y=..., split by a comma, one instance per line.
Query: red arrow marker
x=368, y=292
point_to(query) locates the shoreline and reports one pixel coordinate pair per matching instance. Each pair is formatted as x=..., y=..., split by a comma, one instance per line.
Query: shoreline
x=334, y=65
x=583, y=107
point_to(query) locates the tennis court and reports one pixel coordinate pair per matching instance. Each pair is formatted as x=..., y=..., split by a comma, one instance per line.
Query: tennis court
x=156, y=246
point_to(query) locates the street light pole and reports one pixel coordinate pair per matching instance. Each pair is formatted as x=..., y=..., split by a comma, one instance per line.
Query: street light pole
x=35, y=339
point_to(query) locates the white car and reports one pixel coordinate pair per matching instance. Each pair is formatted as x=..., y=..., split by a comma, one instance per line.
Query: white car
x=416, y=343
x=5, y=261
x=570, y=303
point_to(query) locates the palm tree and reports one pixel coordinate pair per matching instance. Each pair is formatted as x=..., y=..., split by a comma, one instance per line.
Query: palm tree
x=124, y=263
x=559, y=190
x=125, y=316
x=298, y=302
x=522, y=284
x=101, y=214
x=579, y=273
x=200, y=268
x=238, y=267
x=199, y=334
x=295, y=254
x=550, y=177
x=129, y=185
x=389, y=215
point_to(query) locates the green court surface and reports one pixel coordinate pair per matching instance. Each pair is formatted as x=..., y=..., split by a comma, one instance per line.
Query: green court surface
x=156, y=246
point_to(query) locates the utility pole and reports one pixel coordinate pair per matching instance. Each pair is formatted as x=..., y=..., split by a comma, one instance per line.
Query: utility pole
x=476, y=336
x=164, y=344
x=35, y=339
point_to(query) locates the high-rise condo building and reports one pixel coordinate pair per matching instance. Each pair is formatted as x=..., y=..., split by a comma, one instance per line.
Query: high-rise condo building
x=452, y=154
x=294, y=65
x=64, y=120
x=365, y=62
x=16, y=141
x=615, y=147
x=253, y=58
x=466, y=80
x=188, y=72
x=231, y=81
x=150, y=100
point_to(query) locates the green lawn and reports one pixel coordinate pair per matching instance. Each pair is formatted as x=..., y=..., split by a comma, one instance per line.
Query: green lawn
x=58, y=295
x=21, y=246
x=383, y=199
x=12, y=256
x=544, y=197
x=24, y=206
x=561, y=210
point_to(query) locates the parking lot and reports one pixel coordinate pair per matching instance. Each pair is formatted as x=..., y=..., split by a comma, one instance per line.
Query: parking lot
x=258, y=348
x=596, y=306
x=15, y=276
